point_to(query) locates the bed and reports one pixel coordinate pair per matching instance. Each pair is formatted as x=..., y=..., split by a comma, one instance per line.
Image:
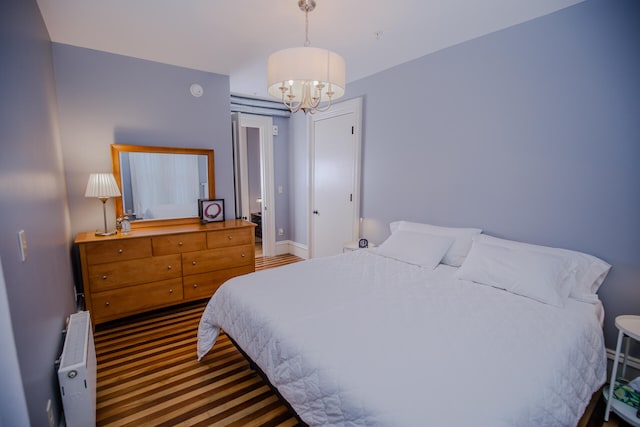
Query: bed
x=435, y=325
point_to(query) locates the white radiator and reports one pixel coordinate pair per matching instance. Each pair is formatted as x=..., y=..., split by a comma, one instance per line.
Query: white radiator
x=77, y=372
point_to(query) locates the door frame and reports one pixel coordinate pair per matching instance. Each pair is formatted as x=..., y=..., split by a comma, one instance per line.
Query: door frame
x=264, y=124
x=346, y=107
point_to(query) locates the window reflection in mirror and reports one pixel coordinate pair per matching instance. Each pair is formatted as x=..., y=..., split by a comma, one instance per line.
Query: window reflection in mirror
x=161, y=183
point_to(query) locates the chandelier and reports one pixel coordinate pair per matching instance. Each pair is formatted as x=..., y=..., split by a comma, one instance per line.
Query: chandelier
x=305, y=77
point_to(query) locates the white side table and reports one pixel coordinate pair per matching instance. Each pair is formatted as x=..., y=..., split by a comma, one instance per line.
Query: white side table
x=353, y=246
x=629, y=327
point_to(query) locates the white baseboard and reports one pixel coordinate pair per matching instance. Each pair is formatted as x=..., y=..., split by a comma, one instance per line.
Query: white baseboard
x=289, y=247
x=632, y=362
x=633, y=365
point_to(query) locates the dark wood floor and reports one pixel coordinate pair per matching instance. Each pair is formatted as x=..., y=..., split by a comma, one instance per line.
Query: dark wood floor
x=148, y=375
x=597, y=417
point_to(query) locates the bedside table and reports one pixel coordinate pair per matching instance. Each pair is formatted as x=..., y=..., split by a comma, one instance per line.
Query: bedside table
x=629, y=327
x=353, y=246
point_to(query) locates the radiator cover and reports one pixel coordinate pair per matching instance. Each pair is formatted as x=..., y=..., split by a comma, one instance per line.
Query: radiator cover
x=77, y=372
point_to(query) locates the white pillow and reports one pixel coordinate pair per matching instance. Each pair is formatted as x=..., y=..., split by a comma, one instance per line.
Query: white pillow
x=421, y=249
x=536, y=275
x=458, y=250
x=588, y=272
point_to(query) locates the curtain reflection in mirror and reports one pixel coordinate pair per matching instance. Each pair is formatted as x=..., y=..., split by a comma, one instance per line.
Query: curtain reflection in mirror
x=163, y=186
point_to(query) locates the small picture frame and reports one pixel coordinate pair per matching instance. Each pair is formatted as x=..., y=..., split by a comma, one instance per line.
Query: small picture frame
x=211, y=210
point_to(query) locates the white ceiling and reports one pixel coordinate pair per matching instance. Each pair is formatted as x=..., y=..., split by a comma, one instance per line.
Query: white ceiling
x=235, y=37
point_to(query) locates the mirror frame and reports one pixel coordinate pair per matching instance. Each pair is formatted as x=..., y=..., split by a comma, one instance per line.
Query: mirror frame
x=116, y=149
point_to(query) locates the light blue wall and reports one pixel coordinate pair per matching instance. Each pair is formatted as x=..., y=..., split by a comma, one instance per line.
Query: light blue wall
x=109, y=99
x=281, y=166
x=531, y=133
x=253, y=168
x=299, y=178
x=39, y=292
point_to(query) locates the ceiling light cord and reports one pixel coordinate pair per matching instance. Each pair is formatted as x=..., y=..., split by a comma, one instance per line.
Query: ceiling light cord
x=307, y=43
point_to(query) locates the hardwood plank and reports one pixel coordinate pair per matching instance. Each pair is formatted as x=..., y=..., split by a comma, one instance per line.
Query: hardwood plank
x=148, y=373
x=142, y=390
x=277, y=261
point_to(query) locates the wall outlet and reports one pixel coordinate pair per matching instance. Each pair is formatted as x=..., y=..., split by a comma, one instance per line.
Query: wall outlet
x=52, y=421
x=280, y=232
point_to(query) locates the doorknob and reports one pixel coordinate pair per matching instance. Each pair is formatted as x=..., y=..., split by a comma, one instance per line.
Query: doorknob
x=316, y=213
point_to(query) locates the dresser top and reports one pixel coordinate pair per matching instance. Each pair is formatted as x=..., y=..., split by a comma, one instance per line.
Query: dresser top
x=90, y=237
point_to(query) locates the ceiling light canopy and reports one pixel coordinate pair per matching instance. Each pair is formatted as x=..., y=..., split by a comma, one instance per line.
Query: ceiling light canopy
x=305, y=77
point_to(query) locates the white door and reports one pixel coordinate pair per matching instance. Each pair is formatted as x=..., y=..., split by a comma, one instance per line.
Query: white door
x=335, y=178
x=264, y=126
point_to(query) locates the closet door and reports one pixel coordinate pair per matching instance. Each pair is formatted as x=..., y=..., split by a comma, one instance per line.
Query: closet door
x=335, y=178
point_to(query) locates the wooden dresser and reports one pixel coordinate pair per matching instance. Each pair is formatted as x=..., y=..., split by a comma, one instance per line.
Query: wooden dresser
x=155, y=267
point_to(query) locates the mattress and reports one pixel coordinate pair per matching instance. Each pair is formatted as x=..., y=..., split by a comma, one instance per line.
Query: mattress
x=360, y=339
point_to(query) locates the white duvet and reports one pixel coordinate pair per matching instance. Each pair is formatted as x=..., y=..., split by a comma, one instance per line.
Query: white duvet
x=359, y=339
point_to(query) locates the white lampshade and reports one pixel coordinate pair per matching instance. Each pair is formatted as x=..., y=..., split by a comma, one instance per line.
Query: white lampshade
x=102, y=185
x=298, y=65
x=306, y=77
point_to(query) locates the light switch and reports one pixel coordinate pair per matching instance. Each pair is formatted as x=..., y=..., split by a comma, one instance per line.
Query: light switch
x=275, y=130
x=280, y=189
x=22, y=243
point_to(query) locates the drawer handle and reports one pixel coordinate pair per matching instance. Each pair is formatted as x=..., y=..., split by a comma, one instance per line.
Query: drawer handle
x=170, y=291
x=169, y=267
x=195, y=285
x=242, y=255
x=193, y=263
x=107, y=304
x=120, y=251
x=230, y=237
x=179, y=243
x=104, y=277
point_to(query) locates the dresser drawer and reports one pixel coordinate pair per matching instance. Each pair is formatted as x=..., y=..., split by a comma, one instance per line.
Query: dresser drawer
x=159, y=266
x=178, y=243
x=226, y=238
x=198, y=286
x=217, y=259
x=117, y=274
x=132, y=299
x=118, y=250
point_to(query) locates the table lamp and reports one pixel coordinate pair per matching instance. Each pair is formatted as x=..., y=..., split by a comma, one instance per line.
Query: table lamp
x=102, y=186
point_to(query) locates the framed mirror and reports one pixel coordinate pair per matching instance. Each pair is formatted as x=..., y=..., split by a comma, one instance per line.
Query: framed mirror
x=162, y=185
